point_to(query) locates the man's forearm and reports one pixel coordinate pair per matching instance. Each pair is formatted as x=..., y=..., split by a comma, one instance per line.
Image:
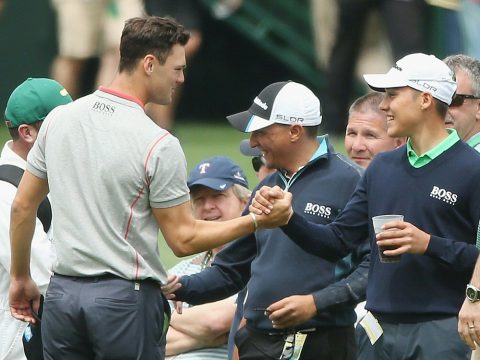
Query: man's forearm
x=347, y=291
x=31, y=191
x=178, y=342
x=186, y=236
x=205, y=322
x=315, y=238
x=22, y=227
x=458, y=254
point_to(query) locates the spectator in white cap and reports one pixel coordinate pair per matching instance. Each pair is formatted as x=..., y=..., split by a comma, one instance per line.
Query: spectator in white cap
x=283, y=124
x=433, y=182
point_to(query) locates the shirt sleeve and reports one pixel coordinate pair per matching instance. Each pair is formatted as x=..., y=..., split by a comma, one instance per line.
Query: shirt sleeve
x=166, y=172
x=229, y=273
x=349, y=290
x=335, y=240
x=460, y=255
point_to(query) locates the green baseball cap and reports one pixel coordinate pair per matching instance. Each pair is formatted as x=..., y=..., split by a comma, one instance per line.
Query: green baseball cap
x=32, y=100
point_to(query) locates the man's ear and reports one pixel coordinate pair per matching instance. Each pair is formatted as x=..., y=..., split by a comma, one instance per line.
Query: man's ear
x=426, y=100
x=148, y=63
x=295, y=132
x=27, y=133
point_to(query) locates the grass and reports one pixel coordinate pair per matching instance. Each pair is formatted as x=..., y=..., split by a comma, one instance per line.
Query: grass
x=201, y=139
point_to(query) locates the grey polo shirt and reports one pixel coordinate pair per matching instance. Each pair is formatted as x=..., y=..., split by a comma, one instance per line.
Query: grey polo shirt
x=107, y=166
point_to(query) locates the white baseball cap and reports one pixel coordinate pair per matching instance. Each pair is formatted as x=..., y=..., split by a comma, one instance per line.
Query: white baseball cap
x=421, y=72
x=285, y=102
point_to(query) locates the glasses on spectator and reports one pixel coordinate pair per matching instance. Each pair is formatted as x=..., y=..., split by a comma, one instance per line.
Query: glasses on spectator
x=459, y=99
x=258, y=162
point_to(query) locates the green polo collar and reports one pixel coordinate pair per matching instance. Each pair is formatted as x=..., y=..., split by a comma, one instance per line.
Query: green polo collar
x=474, y=140
x=422, y=160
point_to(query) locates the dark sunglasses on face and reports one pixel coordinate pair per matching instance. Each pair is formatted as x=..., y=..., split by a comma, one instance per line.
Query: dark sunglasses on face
x=459, y=99
x=257, y=163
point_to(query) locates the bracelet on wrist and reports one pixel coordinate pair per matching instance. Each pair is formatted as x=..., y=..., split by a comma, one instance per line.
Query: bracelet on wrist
x=255, y=223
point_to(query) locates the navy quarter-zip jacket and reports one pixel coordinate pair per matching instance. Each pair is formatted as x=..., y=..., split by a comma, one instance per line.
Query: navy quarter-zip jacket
x=274, y=266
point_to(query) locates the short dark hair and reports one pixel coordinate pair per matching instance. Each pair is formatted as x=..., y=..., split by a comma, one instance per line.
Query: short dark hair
x=368, y=102
x=312, y=131
x=150, y=35
x=14, y=131
x=441, y=107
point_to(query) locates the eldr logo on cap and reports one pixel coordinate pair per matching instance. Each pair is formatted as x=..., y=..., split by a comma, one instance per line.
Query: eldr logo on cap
x=421, y=72
x=285, y=102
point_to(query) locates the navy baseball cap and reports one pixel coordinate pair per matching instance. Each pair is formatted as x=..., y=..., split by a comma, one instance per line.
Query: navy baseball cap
x=246, y=150
x=217, y=173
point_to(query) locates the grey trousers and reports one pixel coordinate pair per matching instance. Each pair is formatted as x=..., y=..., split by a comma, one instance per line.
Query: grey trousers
x=429, y=340
x=103, y=317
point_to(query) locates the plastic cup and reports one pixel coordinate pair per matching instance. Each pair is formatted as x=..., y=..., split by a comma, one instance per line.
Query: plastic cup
x=378, y=222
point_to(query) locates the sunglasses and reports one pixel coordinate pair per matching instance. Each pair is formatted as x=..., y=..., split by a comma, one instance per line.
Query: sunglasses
x=459, y=99
x=257, y=162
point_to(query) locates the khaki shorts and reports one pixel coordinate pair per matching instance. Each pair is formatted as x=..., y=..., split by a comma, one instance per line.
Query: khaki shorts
x=87, y=27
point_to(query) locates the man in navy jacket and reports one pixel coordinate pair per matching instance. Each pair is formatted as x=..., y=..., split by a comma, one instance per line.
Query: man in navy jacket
x=283, y=121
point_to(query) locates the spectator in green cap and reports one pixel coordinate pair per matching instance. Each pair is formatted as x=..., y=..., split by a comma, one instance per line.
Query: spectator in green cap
x=26, y=108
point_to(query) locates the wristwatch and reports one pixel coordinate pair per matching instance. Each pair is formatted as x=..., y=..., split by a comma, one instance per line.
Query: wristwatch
x=472, y=293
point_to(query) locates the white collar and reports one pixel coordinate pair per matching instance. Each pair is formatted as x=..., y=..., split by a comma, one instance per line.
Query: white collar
x=8, y=156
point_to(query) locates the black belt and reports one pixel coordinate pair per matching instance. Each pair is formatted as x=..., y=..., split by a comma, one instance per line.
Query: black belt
x=294, y=331
x=409, y=318
x=103, y=277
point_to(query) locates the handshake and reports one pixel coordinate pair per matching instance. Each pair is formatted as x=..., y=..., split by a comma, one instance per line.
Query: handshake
x=272, y=207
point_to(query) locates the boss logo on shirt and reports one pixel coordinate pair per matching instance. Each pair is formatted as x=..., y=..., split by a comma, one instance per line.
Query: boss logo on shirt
x=444, y=195
x=103, y=108
x=318, y=210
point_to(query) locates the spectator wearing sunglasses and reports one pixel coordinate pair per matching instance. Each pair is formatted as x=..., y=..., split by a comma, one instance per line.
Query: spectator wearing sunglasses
x=283, y=123
x=464, y=115
x=464, y=111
